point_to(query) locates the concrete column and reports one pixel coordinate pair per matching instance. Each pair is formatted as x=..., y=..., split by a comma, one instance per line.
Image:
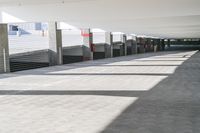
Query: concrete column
x=125, y=44
x=155, y=44
x=145, y=45
x=55, y=45
x=141, y=43
x=148, y=43
x=163, y=44
x=134, y=45
x=4, y=50
x=159, y=44
x=88, y=47
x=168, y=43
x=151, y=46
x=109, y=45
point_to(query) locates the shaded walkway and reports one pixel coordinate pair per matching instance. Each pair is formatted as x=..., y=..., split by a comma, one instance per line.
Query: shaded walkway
x=172, y=106
x=136, y=94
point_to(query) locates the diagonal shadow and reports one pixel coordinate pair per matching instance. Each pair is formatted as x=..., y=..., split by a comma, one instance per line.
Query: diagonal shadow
x=108, y=65
x=172, y=106
x=102, y=62
x=158, y=65
x=71, y=92
x=106, y=74
x=156, y=60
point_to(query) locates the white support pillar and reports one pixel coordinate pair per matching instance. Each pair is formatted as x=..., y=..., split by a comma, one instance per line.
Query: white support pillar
x=109, y=44
x=134, y=45
x=155, y=43
x=125, y=44
x=141, y=44
x=55, y=45
x=88, y=47
x=4, y=50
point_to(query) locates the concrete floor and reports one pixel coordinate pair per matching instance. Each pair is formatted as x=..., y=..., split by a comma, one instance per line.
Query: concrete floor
x=147, y=93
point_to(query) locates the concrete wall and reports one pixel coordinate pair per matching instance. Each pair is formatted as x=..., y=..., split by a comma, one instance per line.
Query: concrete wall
x=117, y=46
x=99, y=37
x=99, y=48
x=71, y=38
x=118, y=49
x=73, y=51
x=41, y=56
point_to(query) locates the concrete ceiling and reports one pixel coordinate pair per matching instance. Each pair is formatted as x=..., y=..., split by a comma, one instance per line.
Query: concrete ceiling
x=160, y=18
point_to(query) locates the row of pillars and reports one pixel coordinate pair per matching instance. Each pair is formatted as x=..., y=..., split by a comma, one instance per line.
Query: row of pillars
x=152, y=44
x=55, y=46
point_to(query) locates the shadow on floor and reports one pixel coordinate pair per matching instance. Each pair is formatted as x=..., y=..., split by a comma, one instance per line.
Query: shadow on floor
x=71, y=92
x=172, y=106
x=98, y=63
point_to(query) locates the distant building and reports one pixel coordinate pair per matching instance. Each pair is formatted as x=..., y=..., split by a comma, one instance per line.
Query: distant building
x=26, y=28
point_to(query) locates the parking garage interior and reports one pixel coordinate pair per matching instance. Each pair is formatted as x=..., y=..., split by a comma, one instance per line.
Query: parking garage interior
x=99, y=66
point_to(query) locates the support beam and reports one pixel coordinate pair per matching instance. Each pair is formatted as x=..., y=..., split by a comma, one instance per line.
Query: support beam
x=88, y=47
x=155, y=45
x=109, y=44
x=168, y=43
x=125, y=44
x=4, y=50
x=152, y=45
x=163, y=44
x=141, y=43
x=159, y=44
x=134, y=45
x=149, y=45
x=55, y=45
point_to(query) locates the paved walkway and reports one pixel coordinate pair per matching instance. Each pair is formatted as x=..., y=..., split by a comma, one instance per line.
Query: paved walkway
x=147, y=93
